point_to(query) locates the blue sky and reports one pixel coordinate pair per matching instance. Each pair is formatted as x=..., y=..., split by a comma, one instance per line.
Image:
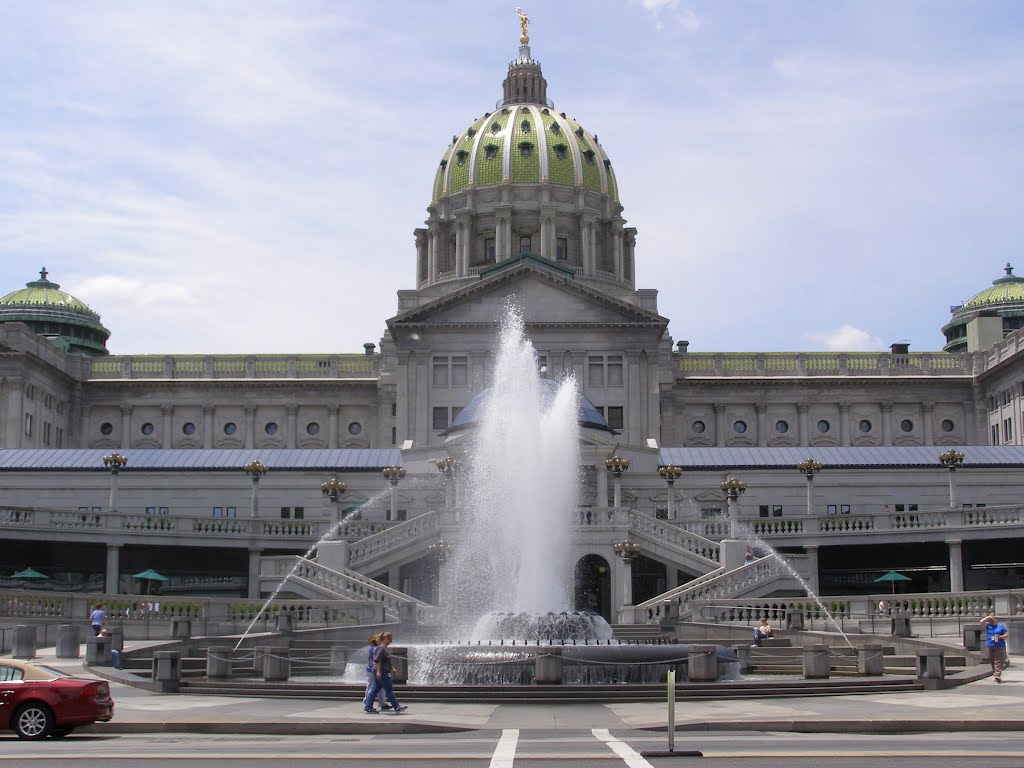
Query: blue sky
x=246, y=176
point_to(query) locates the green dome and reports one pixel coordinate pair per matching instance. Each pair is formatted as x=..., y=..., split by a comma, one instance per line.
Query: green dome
x=1006, y=290
x=56, y=314
x=525, y=144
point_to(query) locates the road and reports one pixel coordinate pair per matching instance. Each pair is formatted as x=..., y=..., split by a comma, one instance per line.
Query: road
x=511, y=748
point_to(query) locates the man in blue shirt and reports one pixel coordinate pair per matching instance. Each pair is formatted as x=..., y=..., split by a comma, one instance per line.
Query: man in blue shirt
x=96, y=618
x=995, y=641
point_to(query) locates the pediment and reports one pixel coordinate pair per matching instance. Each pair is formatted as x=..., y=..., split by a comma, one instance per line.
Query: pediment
x=546, y=298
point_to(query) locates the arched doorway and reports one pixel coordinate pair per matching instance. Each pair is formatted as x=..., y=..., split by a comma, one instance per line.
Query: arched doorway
x=593, y=586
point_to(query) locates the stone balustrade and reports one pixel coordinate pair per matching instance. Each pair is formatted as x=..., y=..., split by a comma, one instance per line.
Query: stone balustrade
x=398, y=536
x=232, y=367
x=674, y=536
x=704, y=364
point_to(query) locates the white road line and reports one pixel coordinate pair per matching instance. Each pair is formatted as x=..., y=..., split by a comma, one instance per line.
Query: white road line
x=622, y=749
x=505, y=752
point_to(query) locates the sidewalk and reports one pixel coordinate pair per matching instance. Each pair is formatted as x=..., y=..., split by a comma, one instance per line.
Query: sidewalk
x=979, y=706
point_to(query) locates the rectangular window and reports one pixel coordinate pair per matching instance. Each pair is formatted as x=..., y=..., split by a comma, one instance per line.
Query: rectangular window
x=394, y=410
x=777, y=510
x=299, y=513
x=456, y=410
x=1007, y=430
x=286, y=513
x=710, y=513
x=394, y=435
x=661, y=513
x=150, y=510
x=218, y=511
x=595, y=371
x=489, y=250
x=460, y=372
x=832, y=509
x=615, y=416
x=440, y=418
x=844, y=509
x=440, y=372
x=615, y=370
x=230, y=511
x=60, y=438
x=762, y=510
x=401, y=514
x=46, y=433
x=562, y=249
x=525, y=242
x=995, y=434
x=542, y=365
x=28, y=425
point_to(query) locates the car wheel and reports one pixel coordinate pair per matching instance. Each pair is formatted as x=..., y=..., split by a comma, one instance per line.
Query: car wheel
x=33, y=721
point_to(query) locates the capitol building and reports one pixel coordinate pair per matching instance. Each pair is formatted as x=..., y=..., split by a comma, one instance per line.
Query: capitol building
x=221, y=471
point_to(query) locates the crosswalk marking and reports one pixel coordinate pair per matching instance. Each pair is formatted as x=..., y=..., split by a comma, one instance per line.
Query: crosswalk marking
x=629, y=756
x=505, y=752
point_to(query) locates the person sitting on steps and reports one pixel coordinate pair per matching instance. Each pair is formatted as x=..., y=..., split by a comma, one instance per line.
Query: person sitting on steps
x=761, y=632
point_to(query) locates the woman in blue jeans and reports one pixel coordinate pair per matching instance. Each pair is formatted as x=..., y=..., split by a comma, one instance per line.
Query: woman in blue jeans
x=382, y=677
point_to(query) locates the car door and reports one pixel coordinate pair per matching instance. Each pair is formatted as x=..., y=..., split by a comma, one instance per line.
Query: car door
x=10, y=684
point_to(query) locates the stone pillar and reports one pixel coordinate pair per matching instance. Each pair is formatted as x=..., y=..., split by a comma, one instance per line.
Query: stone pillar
x=68, y=641
x=602, y=484
x=742, y=652
x=421, y=255
x=972, y=637
x=433, y=244
x=548, y=666
x=817, y=663
x=167, y=671
x=801, y=423
x=167, y=411
x=276, y=664
x=616, y=243
x=113, y=572
x=931, y=664
x=901, y=625
x=97, y=651
x=702, y=664
x=15, y=431
x=844, y=423
x=719, y=418
x=285, y=622
x=795, y=619
x=812, y=567
x=887, y=422
x=218, y=661
x=250, y=426
x=927, y=416
x=762, y=424
x=956, y=565
x=126, y=426
x=207, y=426
x=181, y=629
x=254, y=592
x=24, y=643
x=870, y=660
x=116, y=635
x=290, y=432
x=332, y=426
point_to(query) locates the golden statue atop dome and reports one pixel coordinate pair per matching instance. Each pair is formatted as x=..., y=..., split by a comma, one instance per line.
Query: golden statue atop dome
x=524, y=22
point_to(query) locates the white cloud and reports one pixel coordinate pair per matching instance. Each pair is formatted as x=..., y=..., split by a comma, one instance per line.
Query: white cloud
x=848, y=338
x=662, y=10
x=106, y=289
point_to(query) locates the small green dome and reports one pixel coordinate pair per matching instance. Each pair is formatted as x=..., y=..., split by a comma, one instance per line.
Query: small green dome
x=56, y=314
x=1006, y=290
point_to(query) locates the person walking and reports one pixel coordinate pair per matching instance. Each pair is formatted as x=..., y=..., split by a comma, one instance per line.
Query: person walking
x=371, y=654
x=995, y=641
x=96, y=619
x=382, y=677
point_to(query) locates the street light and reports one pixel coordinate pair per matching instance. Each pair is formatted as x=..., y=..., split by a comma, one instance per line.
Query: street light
x=617, y=465
x=394, y=476
x=333, y=489
x=447, y=467
x=670, y=474
x=733, y=489
x=809, y=468
x=440, y=550
x=255, y=469
x=115, y=462
x=627, y=551
x=952, y=460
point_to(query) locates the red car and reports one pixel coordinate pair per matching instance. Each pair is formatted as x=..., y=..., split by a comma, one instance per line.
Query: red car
x=37, y=701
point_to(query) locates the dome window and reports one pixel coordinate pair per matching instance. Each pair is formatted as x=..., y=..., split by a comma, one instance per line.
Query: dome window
x=560, y=150
x=495, y=127
x=471, y=133
x=525, y=126
x=589, y=155
x=607, y=163
x=579, y=132
x=525, y=149
x=545, y=111
x=556, y=128
x=491, y=151
x=460, y=156
x=504, y=111
x=444, y=164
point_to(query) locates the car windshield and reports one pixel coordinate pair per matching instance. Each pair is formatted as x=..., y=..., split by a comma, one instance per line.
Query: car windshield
x=51, y=670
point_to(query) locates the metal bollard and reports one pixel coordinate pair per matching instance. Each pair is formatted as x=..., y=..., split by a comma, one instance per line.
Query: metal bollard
x=702, y=664
x=218, y=661
x=817, y=663
x=68, y=641
x=24, y=646
x=870, y=660
x=548, y=666
x=167, y=671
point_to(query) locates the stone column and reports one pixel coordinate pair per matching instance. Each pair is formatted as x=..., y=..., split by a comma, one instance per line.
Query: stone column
x=254, y=592
x=207, y=426
x=167, y=411
x=332, y=426
x=16, y=412
x=927, y=415
x=113, y=572
x=956, y=565
x=290, y=432
x=502, y=233
x=433, y=244
x=762, y=424
x=887, y=422
x=801, y=422
x=547, y=232
x=250, y=426
x=421, y=255
x=719, y=411
x=624, y=580
x=977, y=427
x=844, y=423
x=812, y=568
x=126, y=426
x=616, y=242
x=602, y=484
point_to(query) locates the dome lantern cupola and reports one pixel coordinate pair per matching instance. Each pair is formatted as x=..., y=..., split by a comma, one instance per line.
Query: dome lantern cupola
x=525, y=83
x=60, y=317
x=986, y=317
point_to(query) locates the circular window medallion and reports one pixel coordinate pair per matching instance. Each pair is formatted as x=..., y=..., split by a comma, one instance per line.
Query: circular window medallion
x=106, y=428
x=271, y=428
x=230, y=428
x=697, y=426
x=864, y=425
x=782, y=427
x=312, y=428
x=147, y=428
x=355, y=428
x=948, y=425
x=824, y=426
x=740, y=427
x=188, y=428
x=907, y=425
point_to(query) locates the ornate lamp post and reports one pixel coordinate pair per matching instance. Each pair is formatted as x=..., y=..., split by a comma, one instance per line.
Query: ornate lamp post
x=627, y=551
x=394, y=476
x=115, y=462
x=440, y=551
x=617, y=465
x=255, y=469
x=810, y=468
x=447, y=467
x=333, y=489
x=951, y=460
x=670, y=474
x=733, y=489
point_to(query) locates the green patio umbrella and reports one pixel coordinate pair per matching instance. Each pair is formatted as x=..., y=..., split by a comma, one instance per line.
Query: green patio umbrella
x=892, y=577
x=149, y=576
x=29, y=573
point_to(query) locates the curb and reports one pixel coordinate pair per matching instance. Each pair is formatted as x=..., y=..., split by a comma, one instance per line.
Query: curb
x=277, y=729
x=848, y=726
